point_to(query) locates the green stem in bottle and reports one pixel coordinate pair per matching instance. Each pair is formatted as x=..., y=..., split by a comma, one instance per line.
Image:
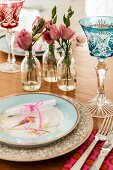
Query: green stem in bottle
x=30, y=62
x=67, y=61
x=52, y=55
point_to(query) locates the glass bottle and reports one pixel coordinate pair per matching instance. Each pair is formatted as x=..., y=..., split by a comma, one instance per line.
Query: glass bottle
x=50, y=59
x=67, y=72
x=30, y=72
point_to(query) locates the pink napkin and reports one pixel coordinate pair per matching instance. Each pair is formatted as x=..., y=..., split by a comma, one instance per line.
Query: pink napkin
x=107, y=164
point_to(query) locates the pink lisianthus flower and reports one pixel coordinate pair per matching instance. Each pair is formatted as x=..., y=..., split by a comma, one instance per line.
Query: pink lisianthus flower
x=24, y=39
x=47, y=24
x=51, y=34
x=65, y=32
x=36, y=22
x=54, y=32
x=47, y=37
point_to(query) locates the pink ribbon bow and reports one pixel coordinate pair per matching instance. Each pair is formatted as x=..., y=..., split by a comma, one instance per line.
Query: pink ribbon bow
x=33, y=107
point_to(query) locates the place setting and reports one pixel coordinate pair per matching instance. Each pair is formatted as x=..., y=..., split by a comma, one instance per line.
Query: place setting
x=43, y=120
x=55, y=136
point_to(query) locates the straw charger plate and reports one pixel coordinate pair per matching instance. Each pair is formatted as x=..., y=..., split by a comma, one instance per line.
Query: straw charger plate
x=60, y=147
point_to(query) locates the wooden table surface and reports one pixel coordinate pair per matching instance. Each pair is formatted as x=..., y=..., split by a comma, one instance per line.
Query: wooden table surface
x=86, y=89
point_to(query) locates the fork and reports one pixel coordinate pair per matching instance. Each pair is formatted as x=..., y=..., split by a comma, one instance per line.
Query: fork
x=107, y=147
x=101, y=135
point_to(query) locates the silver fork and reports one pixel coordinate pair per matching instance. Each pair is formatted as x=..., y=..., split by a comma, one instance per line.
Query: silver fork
x=101, y=135
x=107, y=147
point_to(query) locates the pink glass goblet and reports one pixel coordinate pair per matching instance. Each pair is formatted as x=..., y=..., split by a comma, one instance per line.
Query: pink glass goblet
x=9, y=10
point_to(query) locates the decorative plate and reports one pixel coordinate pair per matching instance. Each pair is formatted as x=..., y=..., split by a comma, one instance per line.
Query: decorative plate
x=35, y=119
x=55, y=149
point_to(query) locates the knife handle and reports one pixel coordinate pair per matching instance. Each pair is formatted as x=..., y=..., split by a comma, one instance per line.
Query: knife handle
x=100, y=159
x=78, y=165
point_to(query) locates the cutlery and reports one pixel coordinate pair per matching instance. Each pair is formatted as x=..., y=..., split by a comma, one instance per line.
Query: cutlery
x=107, y=147
x=100, y=136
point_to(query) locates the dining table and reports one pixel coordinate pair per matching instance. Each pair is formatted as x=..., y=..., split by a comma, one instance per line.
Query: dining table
x=10, y=84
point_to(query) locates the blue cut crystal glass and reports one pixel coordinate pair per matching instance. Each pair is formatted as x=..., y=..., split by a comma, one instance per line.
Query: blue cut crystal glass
x=99, y=33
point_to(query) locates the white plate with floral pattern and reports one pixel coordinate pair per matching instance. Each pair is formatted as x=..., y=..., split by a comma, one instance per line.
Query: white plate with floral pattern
x=23, y=122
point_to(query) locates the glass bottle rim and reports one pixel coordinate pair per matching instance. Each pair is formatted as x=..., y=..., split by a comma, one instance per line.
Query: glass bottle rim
x=27, y=53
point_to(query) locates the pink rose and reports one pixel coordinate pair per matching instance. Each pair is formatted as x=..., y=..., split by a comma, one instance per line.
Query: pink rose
x=36, y=22
x=24, y=39
x=47, y=37
x=54, y=32
x=66, y=33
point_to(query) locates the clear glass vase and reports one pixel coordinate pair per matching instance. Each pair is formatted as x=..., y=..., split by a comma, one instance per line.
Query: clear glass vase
x=30, y=72
x=67, y=72
x=50, y=59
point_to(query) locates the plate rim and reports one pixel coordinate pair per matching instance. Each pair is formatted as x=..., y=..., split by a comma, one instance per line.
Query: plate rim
x=35, y=144
x=66, y=151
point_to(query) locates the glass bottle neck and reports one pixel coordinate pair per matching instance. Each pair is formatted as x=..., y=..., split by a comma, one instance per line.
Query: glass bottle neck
x=67, y=53
x=29, y=53
x=52, y=48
